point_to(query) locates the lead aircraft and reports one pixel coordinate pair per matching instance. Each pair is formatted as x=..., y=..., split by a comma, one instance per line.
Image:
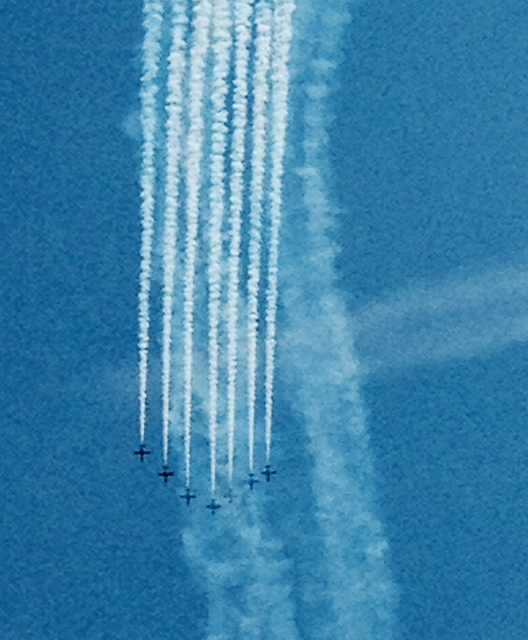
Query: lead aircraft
x=165, y=474
x=213, y=506
x=252, y=480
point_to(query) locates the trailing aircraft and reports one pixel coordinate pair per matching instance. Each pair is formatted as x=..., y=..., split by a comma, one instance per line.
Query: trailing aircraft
x=142, y=452
x=188, y=496
x=268, y=472
x=252, y=480
x=165, y=474
x=213, y=506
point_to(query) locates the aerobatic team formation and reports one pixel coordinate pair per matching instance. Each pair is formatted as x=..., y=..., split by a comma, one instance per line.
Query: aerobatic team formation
x=214, y=110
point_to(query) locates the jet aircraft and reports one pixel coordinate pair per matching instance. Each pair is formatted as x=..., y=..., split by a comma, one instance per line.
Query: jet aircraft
x=252, y=481
x=188, y=496
x=268, y=472
x=213, y=506
x=141, y=452
x=165, y=474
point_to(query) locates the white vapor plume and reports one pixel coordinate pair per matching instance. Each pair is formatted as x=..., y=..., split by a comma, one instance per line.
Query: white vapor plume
x=282, y=35
x=153, y=12
x=465, y=315
x=199, y=50
x=173, y=150
x=221, y=51
x=263, y=19
x=243, y=11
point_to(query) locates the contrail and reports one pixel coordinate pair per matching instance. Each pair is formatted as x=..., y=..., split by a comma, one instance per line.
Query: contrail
x=322, y=374
x=282, y=35
x=153, y=12
x=243, y=10
x=468, y=314
x=221, y=49
x=173, y=150
x=199, y=50
x=263, y=20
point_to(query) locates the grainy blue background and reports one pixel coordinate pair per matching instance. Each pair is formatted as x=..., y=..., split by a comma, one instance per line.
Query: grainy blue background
x=429, y=148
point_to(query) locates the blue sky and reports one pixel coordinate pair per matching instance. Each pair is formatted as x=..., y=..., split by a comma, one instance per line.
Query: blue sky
x=425, y=161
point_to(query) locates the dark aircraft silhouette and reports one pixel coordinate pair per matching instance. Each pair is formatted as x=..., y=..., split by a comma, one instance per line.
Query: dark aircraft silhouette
x=213, y=506
x=252, y=481
x=188, y=496
x=268, y=472
x=165, y=474
x=141, y=452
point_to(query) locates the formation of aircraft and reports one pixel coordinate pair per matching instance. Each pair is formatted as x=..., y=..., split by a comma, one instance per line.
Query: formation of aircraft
x=188, y=495
x=142, y=452
x=252, y=480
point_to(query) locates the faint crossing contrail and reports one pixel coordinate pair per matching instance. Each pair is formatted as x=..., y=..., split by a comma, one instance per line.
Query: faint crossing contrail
x=153, y=17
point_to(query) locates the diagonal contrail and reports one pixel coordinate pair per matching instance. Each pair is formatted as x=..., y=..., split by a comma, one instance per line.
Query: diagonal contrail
x=153, y=16
x=243, y=10
x=173, y=150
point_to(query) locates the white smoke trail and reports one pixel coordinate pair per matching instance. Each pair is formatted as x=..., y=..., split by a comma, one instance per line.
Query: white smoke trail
x=263, y=19
x=221, y=50
x=247, y=584
x=243, y=10
x=282, y=35
x=253, y=590
x=199, y=50
x=173, y=149
x=153, y=11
